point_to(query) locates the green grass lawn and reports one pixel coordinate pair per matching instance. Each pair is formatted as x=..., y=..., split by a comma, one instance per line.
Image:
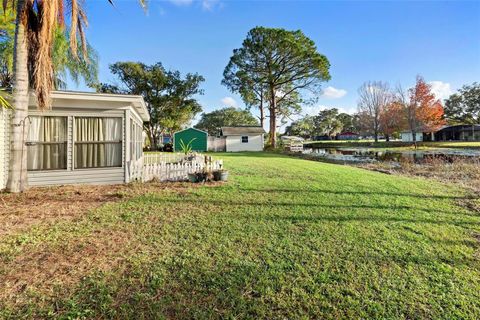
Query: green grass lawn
x=284, y=239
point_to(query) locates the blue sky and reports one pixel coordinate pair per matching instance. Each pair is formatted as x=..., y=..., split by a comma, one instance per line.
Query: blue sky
x=377, y=40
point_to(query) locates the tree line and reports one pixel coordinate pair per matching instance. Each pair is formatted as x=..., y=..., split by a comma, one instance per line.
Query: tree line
x=385, y=111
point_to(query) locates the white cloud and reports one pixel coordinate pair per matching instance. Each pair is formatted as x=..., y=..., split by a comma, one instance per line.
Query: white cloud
x=333, y=93
x=442, y=90
x=314, y=110
x=161, y=11
x=181, y=2
x=209, y=5
x=229, y=102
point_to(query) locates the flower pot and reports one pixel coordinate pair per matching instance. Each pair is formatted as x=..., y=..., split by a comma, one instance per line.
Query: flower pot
x=192, y=177
x=220, y=175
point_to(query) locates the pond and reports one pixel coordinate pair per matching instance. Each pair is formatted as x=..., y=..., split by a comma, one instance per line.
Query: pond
x=345, y=155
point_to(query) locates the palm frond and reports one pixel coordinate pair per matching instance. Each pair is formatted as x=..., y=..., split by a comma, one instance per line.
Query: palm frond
x=40, y=19
x=43, y=72
x=4, y=97
x=143, y=3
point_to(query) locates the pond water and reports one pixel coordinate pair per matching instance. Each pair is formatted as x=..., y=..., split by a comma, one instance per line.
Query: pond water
x=371, y=155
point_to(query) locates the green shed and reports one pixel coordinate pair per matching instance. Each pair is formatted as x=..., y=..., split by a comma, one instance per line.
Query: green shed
x=197, y=137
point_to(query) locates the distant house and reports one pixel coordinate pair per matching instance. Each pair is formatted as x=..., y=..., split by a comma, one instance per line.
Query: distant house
x=166, y=138
x=85, y=138
x=245, y=138
x=197, y=139
x=461, y=132
x=348, y=135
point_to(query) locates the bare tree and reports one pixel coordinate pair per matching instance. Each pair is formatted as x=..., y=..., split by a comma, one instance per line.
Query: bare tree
x=374, y=96
x=402, y=97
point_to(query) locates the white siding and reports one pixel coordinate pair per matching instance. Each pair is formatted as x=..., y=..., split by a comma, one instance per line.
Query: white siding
x=408, y=137
x=234, y=143
x=79, y=176
x=72, y=107
x=216, y=144
x=4, y=146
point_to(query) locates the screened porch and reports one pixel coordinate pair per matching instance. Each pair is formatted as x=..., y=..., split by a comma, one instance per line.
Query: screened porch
x=85, y=138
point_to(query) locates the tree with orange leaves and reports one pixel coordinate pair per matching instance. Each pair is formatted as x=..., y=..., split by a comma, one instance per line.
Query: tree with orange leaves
x=422, y=110
x=392, y=119
x=431, y=116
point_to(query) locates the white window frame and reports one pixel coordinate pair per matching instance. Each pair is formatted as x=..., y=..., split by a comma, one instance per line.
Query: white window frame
x=66, y=142
x=122, y=142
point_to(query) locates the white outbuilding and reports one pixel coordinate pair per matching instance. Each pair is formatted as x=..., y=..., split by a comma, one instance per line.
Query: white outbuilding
x=407, y=136
x=243, y=138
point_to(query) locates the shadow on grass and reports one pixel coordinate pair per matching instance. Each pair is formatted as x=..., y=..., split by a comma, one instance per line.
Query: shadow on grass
x=339, y=217
x=357, y=192
x=363, y=218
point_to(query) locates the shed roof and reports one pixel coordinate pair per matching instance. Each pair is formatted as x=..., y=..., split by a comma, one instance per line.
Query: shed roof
x=241, y=130
x=189, y=129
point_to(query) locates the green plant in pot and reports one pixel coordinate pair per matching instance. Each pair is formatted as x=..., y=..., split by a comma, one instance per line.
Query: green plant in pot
x=186, y=147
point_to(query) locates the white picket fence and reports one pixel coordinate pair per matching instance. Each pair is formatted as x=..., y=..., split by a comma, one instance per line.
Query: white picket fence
x=163, y=157
x=170, y=171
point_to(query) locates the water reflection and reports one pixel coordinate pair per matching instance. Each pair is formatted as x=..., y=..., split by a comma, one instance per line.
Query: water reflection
x=372, y=155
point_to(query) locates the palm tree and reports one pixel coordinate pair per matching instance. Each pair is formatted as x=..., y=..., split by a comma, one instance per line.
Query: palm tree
x=35, y=25
x=63, y=60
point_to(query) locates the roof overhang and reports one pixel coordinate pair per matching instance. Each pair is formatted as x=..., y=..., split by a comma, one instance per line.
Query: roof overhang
x=135, y=100
x=242, y=130
x=191, y=128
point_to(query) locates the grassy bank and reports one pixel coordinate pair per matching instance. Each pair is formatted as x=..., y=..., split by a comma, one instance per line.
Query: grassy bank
x=285, y=238
x=398, y=145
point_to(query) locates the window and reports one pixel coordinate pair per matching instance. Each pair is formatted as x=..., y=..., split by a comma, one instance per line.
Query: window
x=98, y=142
x=244, y=139
x=47, y=143
x=136, y=141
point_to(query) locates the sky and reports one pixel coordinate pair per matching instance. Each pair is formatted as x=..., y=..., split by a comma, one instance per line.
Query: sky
x=392, y=41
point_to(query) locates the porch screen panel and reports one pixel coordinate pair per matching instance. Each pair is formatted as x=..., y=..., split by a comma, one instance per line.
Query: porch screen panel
x=98, y=142
x=139, y=141
x=47, y=143
x=136, y=143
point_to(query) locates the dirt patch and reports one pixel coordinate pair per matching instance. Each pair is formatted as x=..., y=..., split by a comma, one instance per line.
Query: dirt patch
x=47, y=205
x=45, y=267
x=44, y=205
x=61, y=264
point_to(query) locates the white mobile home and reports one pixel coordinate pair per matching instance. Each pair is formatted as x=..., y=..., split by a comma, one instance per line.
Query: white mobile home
x=243, y=138
x=84, y=138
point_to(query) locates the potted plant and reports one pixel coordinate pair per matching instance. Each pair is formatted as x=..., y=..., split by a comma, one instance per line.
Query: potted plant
x=220, y=175
x=192, y=177
x=202, y=176
x=187, y=148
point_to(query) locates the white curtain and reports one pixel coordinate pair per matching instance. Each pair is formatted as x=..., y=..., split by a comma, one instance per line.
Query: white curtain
x=113, y=132
x=46, y=141
x=98, y=142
